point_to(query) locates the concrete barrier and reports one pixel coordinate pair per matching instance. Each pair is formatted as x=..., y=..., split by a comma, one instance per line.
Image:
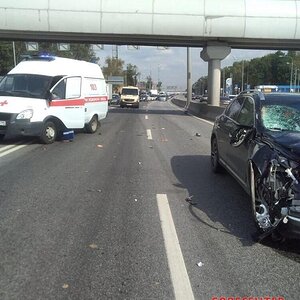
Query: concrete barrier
x=200, y=109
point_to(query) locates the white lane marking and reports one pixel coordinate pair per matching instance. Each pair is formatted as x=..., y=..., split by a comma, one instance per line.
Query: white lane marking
x=180, y=279
x=149, y=134
x=11, y=148
x=146, y=117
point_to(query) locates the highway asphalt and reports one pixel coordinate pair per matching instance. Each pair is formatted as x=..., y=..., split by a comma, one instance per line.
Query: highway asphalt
x=106, y=217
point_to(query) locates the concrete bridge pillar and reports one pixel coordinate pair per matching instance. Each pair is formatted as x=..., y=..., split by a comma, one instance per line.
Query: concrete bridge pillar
x=213, y=54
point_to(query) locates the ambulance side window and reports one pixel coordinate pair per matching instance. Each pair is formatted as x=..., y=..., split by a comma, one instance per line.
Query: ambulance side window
x=73, y=87
x=60, y=90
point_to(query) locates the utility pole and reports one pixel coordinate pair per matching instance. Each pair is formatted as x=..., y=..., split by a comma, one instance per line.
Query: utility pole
x=14, y=53
x=189, y=79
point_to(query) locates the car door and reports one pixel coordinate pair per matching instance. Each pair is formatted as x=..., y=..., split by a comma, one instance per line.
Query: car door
x=224, y=127
x=66, y=102
x=238, y=152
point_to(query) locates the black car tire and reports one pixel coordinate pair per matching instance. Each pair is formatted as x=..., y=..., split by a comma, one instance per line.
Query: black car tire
x=214, y=157
x=49, y=133
x=93, y=125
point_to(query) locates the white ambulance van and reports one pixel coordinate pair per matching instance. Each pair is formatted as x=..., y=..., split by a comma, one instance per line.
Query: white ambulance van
x=44, y=96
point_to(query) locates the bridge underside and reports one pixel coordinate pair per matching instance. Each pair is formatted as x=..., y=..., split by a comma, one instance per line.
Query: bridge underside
x=149, y=40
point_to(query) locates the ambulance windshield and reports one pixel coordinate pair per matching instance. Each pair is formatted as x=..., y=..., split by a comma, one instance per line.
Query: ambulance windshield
x=25, y=85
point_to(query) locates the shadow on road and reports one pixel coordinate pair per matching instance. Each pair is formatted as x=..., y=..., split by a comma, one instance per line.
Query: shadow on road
x=220, y=203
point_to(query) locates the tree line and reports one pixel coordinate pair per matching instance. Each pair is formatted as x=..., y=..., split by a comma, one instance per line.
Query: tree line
x=279, y=68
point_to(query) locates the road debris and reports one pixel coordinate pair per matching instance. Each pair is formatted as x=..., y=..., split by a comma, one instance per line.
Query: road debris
x=100, y=146
x=94, y=190
x=93, y=246
x=189, y=200
x=197, y=134
x=200, y=264
x=65, y=286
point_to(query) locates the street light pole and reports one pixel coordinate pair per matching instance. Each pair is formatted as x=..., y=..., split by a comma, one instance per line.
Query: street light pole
x=14, y=53
x=291, y=77
x=242, y=87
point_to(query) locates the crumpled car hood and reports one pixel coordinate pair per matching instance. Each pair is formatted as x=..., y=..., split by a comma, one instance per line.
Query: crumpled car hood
x=290, y=141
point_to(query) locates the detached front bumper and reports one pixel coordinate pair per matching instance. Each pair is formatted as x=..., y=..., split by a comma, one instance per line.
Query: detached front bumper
x=292, y=228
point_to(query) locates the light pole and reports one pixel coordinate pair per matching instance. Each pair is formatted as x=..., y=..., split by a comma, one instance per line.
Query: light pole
x=291, y=75
x=243, y=66
x=14, y=53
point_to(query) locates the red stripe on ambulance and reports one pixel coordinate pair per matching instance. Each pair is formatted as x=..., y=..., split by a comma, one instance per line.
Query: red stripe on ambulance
x=67, y=102
x=96, y=99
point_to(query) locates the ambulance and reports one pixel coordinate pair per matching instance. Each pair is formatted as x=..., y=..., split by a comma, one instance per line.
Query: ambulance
x=44, y=96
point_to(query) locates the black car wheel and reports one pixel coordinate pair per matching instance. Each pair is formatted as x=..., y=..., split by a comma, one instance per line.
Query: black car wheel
x=92, y=126
x=49, y=133
x=214, y=156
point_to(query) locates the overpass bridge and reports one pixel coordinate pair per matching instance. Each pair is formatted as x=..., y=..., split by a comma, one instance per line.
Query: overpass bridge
x=215, y=25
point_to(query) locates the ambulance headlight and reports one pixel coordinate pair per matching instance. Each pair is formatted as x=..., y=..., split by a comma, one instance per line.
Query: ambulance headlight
x=25, y=114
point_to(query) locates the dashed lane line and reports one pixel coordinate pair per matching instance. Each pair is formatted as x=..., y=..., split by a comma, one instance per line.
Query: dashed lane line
x=149, y=134
x=180, y=279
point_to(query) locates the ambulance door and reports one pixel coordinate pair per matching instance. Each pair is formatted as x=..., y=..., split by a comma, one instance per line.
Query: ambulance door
x=66, y=102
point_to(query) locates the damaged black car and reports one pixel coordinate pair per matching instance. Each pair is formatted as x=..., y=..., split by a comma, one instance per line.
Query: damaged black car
x=257, y=140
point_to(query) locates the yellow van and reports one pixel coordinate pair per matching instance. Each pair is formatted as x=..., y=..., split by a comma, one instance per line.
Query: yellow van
x=130, y=96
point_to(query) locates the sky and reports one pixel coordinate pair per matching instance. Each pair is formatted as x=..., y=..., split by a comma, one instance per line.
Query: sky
x=170, y=65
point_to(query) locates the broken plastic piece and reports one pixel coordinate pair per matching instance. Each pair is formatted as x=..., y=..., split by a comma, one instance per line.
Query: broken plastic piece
x=200, y=264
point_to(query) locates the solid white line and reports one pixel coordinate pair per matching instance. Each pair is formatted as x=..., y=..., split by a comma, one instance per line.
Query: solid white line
x=180, y=279
x=2, y=149
x=149, y=134
x=12, y=150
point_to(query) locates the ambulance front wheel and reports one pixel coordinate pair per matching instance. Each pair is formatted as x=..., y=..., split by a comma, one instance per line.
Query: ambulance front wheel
x=49, y=133
x=93, y=125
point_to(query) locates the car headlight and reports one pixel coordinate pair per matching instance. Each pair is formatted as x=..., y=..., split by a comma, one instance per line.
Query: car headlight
x=25, y=114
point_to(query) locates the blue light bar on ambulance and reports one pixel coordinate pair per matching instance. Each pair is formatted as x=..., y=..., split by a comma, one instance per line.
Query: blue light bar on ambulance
x=41, y=56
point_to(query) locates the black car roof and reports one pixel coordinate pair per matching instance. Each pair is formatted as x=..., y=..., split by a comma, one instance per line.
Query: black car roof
x=281, y=97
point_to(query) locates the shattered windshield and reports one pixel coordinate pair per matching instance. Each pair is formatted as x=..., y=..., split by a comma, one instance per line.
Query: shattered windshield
x=25, y=85
x=281, y=117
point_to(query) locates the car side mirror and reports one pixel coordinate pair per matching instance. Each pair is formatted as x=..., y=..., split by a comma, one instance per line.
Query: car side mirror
x=240, y=135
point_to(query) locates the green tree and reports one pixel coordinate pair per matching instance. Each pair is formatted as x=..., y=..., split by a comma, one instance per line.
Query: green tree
x=131, y=74
x=200, y=86
x=6, y=57
x=159, y=85
x=274, y=68
x=113, y=67
x=149, y=83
